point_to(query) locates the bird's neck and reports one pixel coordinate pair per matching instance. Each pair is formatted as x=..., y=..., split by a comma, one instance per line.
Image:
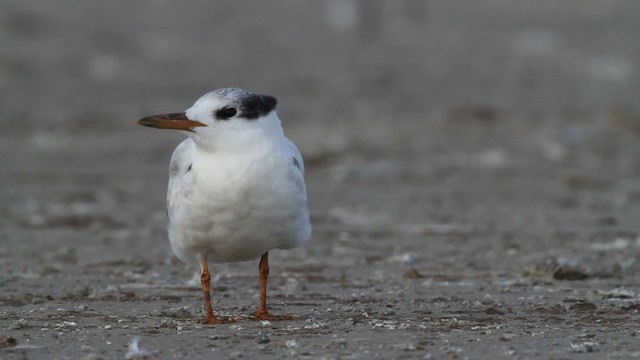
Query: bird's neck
x=239, y=143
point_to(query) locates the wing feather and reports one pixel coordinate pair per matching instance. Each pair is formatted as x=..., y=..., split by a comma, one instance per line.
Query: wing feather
x=296, y=156
x=181, y=161
x=296, y=169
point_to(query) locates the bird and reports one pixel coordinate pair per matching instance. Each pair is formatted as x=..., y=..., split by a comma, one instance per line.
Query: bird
x=236, y=187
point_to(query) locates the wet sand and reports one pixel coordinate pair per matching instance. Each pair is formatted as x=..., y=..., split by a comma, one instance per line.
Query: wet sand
x=458, y=212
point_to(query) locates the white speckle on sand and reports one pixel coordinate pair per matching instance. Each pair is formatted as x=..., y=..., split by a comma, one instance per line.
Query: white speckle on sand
x=135, y=352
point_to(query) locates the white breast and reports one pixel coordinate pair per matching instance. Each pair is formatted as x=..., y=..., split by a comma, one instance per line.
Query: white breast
x=236, y=206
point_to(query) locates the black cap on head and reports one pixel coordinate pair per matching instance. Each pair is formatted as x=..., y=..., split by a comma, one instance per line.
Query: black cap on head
x=250, y=106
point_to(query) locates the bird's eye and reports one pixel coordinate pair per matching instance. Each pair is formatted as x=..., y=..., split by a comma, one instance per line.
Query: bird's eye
x=226, y=113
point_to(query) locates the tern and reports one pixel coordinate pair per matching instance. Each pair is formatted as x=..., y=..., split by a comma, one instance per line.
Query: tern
x=236, y=187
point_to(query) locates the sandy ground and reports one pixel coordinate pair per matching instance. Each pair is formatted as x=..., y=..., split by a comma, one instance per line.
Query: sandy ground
x=472, y=178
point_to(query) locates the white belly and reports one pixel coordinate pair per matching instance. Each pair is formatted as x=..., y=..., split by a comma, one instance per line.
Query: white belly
x=238, y=209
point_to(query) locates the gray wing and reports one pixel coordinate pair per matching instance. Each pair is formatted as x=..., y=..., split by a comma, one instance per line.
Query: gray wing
x=296, y=157
x=296, y=172
x=180, y=165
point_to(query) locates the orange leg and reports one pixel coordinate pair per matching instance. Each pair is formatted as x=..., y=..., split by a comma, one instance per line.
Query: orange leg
x=262, y=313
x=205, y=281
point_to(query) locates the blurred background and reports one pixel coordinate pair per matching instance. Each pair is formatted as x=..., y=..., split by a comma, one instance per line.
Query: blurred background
x=470, y=112
x=74, y=66
x=367, y=88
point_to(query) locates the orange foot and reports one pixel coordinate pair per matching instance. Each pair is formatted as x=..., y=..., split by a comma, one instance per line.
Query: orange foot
x=212, y=320
x=263, y=315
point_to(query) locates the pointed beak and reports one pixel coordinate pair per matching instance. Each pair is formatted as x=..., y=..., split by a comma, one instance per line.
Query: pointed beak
x=177, y=121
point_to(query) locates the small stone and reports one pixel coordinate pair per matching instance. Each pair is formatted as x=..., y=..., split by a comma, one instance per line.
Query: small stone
x=127, y=295
x=136, y=353
x=487, y=301
x=263, y=339
x=571, y=299
x=585, y=306
x=405, y=347
x=20, y=325
x=82, y=307
x=338, y=343
x=493, y=311
x=618, y=293
x=557, y=269
x=7, y=341
x=585, y=347
x=506, y=337
x=412, y=273
x=570, y=273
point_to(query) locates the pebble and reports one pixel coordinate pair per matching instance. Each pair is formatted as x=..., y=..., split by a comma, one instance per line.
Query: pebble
x=263, y=339
x=7, y=341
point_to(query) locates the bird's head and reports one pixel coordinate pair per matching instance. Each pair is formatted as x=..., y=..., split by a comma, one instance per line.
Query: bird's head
x=223, y=118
